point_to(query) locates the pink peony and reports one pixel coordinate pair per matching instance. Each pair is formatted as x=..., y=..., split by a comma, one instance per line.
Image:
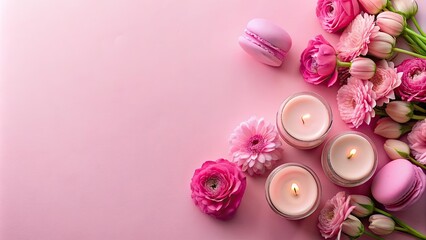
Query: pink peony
x=356, y=37
x=413, y=86
x=318, y=62
x=356, y=102
x=255, y=146
x=417, y=141
x=334, y=213
x=385, y=81
x=218, y=187
x=335, y=15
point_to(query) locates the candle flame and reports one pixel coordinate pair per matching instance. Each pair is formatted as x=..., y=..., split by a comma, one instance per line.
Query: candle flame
x=306, y=116
x=295, y=188
x=352, y=153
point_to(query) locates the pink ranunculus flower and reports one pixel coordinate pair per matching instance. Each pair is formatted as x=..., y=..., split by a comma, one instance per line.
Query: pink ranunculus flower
x=217, y=188
x=334, y=15
x=356, y=102
x=385, y=81
x=417, y=141
x=255, y=146
x=334, y=213
x=356, y=37
x=318, y=62
x=413, y=86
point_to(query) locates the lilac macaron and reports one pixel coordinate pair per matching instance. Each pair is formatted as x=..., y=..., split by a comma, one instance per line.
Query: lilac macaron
x=398, y=185
x=265, y=41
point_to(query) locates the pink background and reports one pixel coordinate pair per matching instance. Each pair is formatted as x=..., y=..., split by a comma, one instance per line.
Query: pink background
x=108, y=106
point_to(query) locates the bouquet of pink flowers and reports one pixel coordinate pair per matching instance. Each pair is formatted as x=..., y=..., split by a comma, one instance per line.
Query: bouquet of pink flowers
x=371, y=85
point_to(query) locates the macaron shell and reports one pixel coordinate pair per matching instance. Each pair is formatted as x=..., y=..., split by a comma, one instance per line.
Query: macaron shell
x=393, y=182
x=258, y=52
x=271, y=33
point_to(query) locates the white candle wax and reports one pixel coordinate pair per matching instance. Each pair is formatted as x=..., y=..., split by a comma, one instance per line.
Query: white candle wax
x=304, y=120
x=351, y=159
x=293, y=191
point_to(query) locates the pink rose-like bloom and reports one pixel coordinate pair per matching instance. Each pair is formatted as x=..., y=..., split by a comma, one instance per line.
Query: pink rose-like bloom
x=362, y=68
x=255, y=146
x=318, y=62
x=417, y=141
x=356, y=37
x=373, y=6
x=335, y=15
x=391, y=23
x=356, y=102
x=381, y=45
x=385, y=81
x=218, y=187
x=413, y=86
x=334, y=213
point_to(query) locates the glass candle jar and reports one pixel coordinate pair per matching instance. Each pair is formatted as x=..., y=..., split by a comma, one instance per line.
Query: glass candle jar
x=293, y=191
x=304, y=119
x=349, y=159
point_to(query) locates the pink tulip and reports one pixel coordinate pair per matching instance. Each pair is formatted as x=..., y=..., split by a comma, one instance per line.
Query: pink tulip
x=364, y=206
x=388, y=128
x=362, y=68
x=381, y=225
x=396, y=149
x=381, y=45
x=407, y=7
x=373, y=6
x=353, y=227
x=400, y=111
x=391, y=23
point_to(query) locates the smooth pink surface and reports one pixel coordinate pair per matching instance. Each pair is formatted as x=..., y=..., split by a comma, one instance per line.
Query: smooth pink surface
x=107, y=107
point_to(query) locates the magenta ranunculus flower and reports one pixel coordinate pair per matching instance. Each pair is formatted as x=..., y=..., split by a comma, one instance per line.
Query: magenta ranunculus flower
x=334, y=213
x=385, y=81
x=318, y=62
x=335, y=15
x=356, y=37
x=218, y=187
x=255, y=146
x=417, y=141
x=413, y=86
x=356, y=102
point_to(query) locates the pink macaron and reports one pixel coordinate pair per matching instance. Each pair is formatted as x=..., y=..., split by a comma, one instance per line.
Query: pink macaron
x=398, y=185
x=265, y=41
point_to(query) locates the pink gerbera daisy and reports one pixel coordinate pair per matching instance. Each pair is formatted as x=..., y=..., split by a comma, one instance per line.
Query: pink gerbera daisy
x=356, y=102
x=356, y=37
x=255, y=145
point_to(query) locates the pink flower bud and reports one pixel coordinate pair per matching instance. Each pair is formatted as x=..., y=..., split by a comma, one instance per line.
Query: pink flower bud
x=381, y=225
x=396, y=149
x=381, y=45
x=362, y=68
x=373, y=6
x=364, y=206
x=407, y=7
x=352, y=227
x=399, y=111
x=388, y=128
x=391, y=23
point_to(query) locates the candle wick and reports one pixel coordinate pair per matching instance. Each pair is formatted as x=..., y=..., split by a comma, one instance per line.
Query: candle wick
x=295, y=192
x=303, y=121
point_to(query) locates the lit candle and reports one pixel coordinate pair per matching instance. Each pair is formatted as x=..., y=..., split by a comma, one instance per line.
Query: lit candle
x=304, y=120
x=349, y=159
x=293, y=191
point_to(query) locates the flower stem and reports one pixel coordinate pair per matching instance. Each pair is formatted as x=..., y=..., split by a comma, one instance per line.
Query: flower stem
x=413, y=33
x=409, y=53
x=343, y=64
x=401, y=229
x=372, y=235
x=380, y=112
x=405, y=128
x=415, y=37
x=409, y=229
x=413, y=18
x=413, y=44
x=418, y=117
x=415, y=162
x=418, y=108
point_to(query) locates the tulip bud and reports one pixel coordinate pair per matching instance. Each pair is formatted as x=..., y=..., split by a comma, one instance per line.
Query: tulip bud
x=400, y=111
x=391, y=23
x=364, y=206
x=388, y=128
x=362, y=68
x=407, y=7
x=381, y=45
x=396, y=149
x=352, y=227
x=381, y=225
x=373, y=6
